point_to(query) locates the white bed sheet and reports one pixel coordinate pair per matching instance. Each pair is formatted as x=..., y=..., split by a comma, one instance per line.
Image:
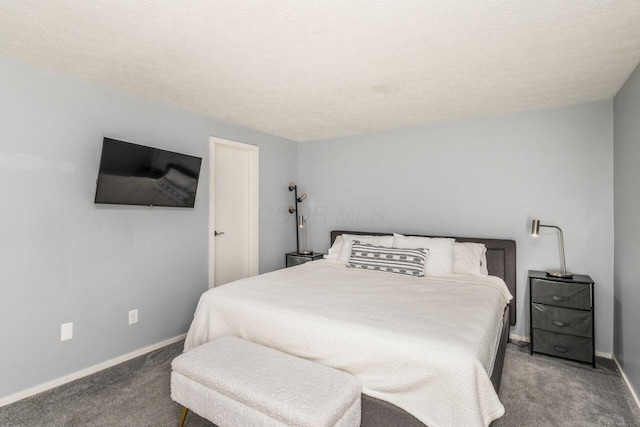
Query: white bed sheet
x=426, y=345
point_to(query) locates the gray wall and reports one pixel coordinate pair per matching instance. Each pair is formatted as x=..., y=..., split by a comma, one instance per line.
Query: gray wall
x=626, y=108
x=65, y=259
x=485, y=177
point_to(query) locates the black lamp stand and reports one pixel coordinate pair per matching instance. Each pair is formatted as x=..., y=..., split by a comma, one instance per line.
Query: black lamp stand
x=294, y=209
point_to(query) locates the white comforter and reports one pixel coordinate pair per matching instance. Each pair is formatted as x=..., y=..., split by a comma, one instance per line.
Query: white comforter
x=425, y=345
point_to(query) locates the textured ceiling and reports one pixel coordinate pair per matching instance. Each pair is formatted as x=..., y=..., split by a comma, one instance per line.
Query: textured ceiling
x=306, y=70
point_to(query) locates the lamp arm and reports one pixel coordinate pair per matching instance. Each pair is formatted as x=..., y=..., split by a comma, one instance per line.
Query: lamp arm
x=564, y=264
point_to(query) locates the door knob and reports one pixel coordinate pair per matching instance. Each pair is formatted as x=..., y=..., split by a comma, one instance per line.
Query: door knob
x=215, y=233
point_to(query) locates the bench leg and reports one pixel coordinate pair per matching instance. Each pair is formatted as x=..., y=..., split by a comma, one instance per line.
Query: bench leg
x=183, y=417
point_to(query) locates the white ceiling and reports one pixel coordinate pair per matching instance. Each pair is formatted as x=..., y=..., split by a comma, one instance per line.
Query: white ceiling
x=306, y=70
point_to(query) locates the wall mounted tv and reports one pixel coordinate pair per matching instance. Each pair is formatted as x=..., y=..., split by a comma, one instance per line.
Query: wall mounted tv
x=132, y=174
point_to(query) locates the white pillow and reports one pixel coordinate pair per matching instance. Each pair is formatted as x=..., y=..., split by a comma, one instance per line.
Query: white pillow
x=345, y=251
x=334, y=250
x=440, y=260
x=470, y=258
x=484, y=267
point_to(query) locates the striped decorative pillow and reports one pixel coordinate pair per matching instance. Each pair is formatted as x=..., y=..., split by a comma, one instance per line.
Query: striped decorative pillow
x=392, y=260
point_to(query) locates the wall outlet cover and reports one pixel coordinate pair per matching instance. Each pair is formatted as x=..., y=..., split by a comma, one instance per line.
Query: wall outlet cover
x=133, y=316
x=66, y=331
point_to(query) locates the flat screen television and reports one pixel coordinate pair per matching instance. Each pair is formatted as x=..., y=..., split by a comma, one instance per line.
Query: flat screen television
x=132, y=174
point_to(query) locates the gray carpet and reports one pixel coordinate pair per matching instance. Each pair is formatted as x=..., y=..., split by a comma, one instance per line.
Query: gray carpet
x=536, y=391
x=546, y=391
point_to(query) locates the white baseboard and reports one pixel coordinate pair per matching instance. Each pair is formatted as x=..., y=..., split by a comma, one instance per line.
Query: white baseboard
x=519, y=338
x=84, y=372
x=604, y=355
x=626, y=381
x=527, y=339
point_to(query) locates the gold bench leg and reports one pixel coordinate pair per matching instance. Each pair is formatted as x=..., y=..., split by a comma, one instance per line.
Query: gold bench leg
x=183, y=418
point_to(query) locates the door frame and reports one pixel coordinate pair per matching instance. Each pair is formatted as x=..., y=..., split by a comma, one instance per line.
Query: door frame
x=254, y=213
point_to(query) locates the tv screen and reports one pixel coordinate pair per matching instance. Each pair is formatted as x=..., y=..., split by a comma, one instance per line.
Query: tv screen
x=132, y=174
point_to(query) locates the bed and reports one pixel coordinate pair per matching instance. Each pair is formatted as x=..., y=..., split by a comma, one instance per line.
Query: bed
x=429, y=351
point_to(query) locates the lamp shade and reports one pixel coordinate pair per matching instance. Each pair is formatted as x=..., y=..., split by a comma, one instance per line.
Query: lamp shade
x=535, y=227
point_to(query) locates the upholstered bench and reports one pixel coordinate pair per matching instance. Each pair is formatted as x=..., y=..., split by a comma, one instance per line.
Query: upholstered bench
x=233, y=382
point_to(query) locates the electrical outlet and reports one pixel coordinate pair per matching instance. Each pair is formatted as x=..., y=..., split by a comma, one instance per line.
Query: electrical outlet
x=133, y=316
x=66, y=331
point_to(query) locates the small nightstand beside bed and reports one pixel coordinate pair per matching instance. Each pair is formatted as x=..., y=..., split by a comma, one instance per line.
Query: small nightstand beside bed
x=428, y=350
x=294, y=258
x=561, y=316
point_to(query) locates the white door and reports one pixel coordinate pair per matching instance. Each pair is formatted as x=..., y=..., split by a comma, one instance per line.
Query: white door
x=234, y=211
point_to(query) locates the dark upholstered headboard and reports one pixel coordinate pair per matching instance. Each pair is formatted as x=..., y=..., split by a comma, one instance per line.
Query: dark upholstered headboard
x=501, y=259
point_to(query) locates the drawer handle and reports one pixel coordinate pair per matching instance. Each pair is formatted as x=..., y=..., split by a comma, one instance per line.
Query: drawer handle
x=559, y=323
x=559, y=298
x=561, y=349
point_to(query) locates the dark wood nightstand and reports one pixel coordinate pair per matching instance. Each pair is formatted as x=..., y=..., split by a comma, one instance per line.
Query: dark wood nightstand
x=294, y=258
x=561, y=316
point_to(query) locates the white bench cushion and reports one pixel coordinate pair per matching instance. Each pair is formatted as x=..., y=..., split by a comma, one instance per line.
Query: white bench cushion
x=246, y=382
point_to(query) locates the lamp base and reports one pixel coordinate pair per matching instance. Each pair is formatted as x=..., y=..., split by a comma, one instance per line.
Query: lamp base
x=560, y=274
x=305, y=252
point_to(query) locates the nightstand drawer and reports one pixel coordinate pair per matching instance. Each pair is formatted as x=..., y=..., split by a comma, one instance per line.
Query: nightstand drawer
x=562, y=320
x=570, y=295
x=293, y=258
x=292, y=261
x=567, y=346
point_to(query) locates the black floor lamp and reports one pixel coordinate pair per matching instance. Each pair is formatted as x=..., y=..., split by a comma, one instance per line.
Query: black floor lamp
x=301, y=222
